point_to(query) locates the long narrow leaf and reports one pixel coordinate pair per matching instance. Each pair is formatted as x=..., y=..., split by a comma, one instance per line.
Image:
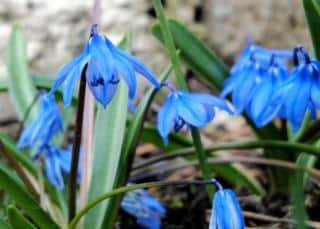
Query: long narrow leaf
x=21, y=89
x=312, y=12
x=17, y=220
x=17, y=191
x=109, y=134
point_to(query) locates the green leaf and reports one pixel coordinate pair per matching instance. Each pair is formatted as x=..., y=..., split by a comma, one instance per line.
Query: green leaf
x=25, y=161
x=4, y=225
x=130, y=142
x=17, y=220
x=108, y=139
x=195, y=53
x=21, y=89
x=10, y=184
x=312, y=12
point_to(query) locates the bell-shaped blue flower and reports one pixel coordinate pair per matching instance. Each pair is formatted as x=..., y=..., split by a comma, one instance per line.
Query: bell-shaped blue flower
x=45, y=126
x=105, y=63
x=57, y=163
x=301, y=91
x=183, y=108
x=147, y=210
x=248, y=72
x=261, y=109
x=226, y=212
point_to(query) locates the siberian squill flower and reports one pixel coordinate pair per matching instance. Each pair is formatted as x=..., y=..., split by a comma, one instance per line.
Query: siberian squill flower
x=247, y=73
x=105, y=64
x=301, y=91
x=45, y=126
x=261, y=109
x=226, y=212
x=57, y=163
x=147, y=210
x=184, y=108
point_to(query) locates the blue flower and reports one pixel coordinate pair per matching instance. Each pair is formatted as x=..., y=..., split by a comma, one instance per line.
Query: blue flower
x=144, y=207
x=226, y=212
x=261, y=109
x=248, y=72
x=104, y=64
x=301, y=91
x=183, y=108
x=57, y=163
x=45, y=126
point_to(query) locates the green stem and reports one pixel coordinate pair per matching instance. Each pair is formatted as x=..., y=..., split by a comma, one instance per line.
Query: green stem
x=168, y=40
x=202, y=158
x=125, y=189
x=264, y=144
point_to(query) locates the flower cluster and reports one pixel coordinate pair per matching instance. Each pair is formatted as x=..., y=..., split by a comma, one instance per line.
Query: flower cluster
x=183, y=108
x=261, y=84
x=103, y=64
x=144, y=207
x=39, y=135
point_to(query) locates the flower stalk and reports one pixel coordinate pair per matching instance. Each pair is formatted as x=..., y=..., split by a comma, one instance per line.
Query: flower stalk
x=169, y=43
x=76, y=146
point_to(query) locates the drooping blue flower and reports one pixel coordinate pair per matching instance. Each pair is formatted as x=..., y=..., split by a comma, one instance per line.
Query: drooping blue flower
x=147, y=210
x=105, y=63
x=57, y=163
x=183, y=108
x=226, y=212
x=248, y=72
x=261, y=108
x=301, y=91
x=47, y=124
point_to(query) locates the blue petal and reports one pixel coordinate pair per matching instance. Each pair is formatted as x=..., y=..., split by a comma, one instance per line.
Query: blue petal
x=298, y=98
x=192, y=112
x=103, y=55
x=103, y=91
x=315, y=92
x=166, y=117
x=220, y=217
x=150, y=222
x=235, y=213
x=208, y=100
x=128, y=74
x=53, y=172
x=243, y=94
x=66, y=71
x=260, y=100
x=136, y=64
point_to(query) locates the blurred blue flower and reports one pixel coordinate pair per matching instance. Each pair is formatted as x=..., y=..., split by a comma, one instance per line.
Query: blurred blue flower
x=183, y=108
x=301, y=91
x=45, y=126
x=248, y=72
x=57, y=162
x=144, y=207
x=104, y=64
x=260, y=108
x=226, y=212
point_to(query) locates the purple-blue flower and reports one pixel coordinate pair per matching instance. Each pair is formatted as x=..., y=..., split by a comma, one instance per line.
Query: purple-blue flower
x=147, y=210
x=226, y=212
x=260, y=108
x=105, y=63
x=183, y=108
x=248, y=72
x=45, y=126
x=301, y=91
x=57, y=163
